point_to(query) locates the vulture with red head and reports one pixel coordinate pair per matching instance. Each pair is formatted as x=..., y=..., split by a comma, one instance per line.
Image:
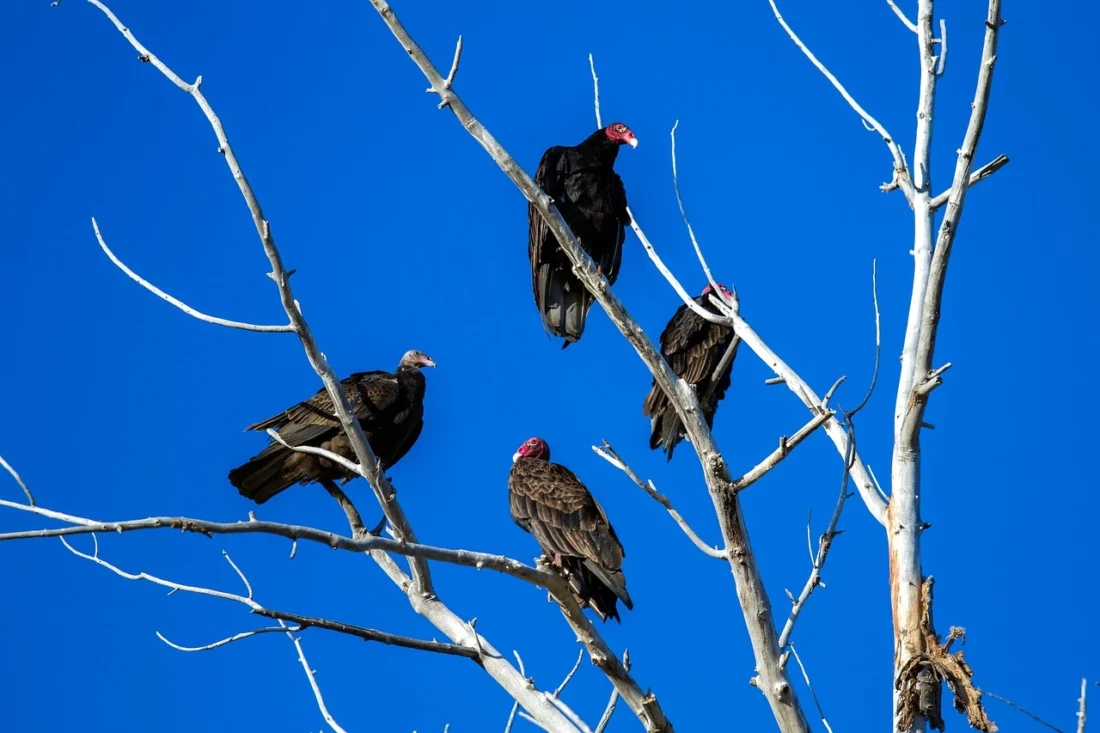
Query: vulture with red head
x=389, y=407
x=591, y=198
x=693, y=347
x=550, y=502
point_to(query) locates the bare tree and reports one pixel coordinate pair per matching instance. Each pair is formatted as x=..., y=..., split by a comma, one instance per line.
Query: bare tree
x=922, y=662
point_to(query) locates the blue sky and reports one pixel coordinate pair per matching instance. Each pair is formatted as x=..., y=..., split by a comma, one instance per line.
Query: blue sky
x=405, y=235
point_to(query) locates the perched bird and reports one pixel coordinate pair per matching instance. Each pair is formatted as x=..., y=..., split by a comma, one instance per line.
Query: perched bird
x=590, y=196
x=389, y=407
x=693, y=347
x=550, y=502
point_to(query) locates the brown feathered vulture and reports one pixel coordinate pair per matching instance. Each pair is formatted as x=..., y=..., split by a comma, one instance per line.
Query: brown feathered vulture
x=693, y=347
x=591, y=198
x=550, y=502
x=389, y=407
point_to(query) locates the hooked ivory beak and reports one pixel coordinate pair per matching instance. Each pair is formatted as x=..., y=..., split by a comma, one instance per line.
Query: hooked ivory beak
x=632, y=142
x=516, y=456
x=427, y=362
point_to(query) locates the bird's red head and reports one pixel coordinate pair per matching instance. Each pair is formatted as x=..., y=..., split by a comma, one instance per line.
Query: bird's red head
x=726, y=294
x=414, y=358
x=619, y=133
x=532, y=448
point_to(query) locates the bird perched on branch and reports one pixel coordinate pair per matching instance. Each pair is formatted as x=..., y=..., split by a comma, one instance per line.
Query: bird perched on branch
x=591, y=198
x=694, y=348
x=389, y=407
x=550, y=502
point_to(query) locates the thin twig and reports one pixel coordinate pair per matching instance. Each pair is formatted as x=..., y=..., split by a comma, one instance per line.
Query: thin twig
x=901, y=16
x=313, y=682
x=179, y=303
x=941, y=64
x=19, y=480
x=1026, y=712
x=608, y=711
x=595, y=90
x=515, y=705
x=878, y=343
x=310, y=450
x=806, y=677
x=901, y=170
x=223, y=642
x=683, y=213
x=1081, y=709
x=608, y=453
x=576, y=666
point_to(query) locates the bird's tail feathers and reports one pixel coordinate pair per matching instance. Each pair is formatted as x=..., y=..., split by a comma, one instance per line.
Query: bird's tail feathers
x=267, y=474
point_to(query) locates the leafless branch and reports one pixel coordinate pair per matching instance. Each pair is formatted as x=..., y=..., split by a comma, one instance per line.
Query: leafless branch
x=217, y=594
x=806, y=677
x=310, y=450
x=608, y=453
x=369, y=466
x=941, y=64
x=687, y=222
x=179, y=303
x=979, y=175
x=824, y=544
x=878, y=345
x=786, y=445
x=1081, y=709
x=565, y=710
x=18, y=479
x=901, y=16
x=227, y=640
x=595, y=90
x=608, y=711
x=369, y=543
x=515, y=705
x=313, y=682
x=901, y=177
x=576, y=666
x=1028, y=713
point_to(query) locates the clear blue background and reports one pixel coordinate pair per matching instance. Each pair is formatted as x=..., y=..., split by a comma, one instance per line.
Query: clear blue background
x=406, y=235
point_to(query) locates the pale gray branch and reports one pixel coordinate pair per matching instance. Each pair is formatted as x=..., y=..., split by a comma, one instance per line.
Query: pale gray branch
x=608, y=453
x=979, y=175
x=683, y=213
x=223, y=642
x=179, y=303
x=786, y=445
x=901, y=16
x=313, y=682
x=353, y=467
x=608, y=711
x=1026, y=712
x=901, y=170
x=595, y=90
x=18, y=479
x=806, y=676
x=568, y=677
x=1081, y=709
x=941, y=64
x=369, y=466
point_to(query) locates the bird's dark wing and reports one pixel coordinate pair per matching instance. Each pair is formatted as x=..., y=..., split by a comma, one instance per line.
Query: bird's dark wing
x=541, y=243
x=694, y=346
x=613, y=257
x=549, y=501
x=368, y=392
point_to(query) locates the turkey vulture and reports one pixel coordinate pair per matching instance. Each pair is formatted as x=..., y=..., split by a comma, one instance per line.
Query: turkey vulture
x=389, y=407
x=590, y=196
x=550, y=502
x=693, y=347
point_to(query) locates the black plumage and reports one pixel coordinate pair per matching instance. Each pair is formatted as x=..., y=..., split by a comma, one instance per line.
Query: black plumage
x=548, y=500
x=693, y=347
x=389, y=407
x=591, y=198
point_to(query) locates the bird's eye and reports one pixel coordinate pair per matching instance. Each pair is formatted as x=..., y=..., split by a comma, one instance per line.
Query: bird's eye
x=619, y=128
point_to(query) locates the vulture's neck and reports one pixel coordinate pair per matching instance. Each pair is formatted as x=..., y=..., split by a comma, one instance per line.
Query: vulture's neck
x=599, y=146
x=412, y=381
